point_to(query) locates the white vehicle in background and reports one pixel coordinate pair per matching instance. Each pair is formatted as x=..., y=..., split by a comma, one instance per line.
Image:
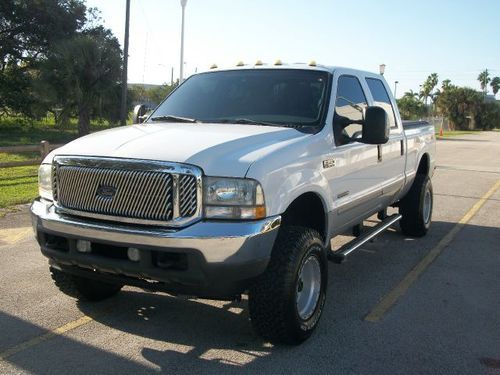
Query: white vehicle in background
x=237, y=183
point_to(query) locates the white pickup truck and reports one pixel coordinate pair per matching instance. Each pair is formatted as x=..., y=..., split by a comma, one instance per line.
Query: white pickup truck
x=236, y=183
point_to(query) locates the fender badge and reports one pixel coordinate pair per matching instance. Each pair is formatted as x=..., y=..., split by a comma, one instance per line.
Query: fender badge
x=328, y=163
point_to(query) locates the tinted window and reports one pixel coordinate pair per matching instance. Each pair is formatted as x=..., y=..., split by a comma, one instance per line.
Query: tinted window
x=350, y=104
x=381, y=98
x=278, y=96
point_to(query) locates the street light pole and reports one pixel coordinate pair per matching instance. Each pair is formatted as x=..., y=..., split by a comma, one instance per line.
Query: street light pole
x=181, y=71
x=123, y=108
x=381, y=69
x=395, y=88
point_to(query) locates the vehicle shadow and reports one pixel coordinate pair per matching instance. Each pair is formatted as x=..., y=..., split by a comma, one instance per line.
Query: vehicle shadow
x=57, y=354
x=209, y=331
x=219, y=336
x=183, y=335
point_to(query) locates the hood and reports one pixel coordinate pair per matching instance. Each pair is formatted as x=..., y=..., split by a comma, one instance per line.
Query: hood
x=219, y=149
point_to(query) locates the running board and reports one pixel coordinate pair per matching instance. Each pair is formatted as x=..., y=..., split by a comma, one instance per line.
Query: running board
x=340, y=255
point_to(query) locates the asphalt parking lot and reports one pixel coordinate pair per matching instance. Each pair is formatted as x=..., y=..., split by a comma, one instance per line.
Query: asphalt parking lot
x=399, y=305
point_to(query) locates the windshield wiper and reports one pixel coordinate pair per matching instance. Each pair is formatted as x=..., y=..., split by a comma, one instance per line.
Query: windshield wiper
x=243, y=121
x=170, y=118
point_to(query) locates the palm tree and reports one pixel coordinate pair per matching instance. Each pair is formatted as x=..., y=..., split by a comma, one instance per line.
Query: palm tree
x=412, y=94
x=445, y=84
x=484, y=79
x=495, y=85
x=429, y=85
x=427, y=88
x=84, y=72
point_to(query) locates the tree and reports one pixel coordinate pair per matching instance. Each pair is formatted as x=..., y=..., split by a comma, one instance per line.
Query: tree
x=484, y=79
x=151, y=95
x=28, y=29
x=15, y=94
x=428, y=86
x=495, y=85
x=459, y=104
x=445, y=84
x=157, y=94
x=488, y=116
x=410, y=107
x=84, y=74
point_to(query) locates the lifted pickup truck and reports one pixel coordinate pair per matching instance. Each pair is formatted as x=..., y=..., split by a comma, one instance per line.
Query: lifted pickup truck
x=236, y=183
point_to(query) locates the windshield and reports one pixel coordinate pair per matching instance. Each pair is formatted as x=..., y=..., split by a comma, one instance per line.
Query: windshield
x=281, y=97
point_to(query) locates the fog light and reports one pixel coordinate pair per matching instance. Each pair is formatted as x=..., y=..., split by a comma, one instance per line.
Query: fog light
x=133, y=254
x=83, y=246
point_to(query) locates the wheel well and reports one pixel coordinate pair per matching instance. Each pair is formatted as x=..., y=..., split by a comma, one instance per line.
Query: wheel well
x=307, y=211
x=424, y=165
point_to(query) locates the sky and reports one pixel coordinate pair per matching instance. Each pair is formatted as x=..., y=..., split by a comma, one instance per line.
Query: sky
x=456, y=39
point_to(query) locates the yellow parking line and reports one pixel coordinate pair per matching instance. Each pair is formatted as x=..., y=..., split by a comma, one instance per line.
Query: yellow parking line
x=378, y=312
x=11, y=236
x=46, y=336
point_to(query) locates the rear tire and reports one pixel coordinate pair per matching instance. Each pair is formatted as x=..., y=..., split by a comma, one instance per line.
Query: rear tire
x=416, y=207
x=286, y=302
x=83, y=288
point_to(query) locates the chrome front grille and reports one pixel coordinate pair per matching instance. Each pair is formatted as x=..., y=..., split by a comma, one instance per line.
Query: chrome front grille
x=128, y=190
x=187, y=195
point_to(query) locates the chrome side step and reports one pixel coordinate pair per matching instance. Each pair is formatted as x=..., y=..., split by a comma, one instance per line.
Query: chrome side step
x=340, y=255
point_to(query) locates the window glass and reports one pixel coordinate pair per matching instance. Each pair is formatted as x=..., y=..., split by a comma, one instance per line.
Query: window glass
x=381, y=98
x=275, y=96
x=350, y=105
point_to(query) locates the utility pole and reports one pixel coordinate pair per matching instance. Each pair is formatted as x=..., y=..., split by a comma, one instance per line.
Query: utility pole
x=123, y=109
x=395, y=88
x=181, y=71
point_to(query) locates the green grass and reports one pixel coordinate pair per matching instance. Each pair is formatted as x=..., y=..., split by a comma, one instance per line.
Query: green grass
x=20, y=184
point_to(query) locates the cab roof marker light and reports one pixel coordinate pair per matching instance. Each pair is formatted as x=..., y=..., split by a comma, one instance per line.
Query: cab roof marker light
x=259, y=63
x=312, y=63
x=240, y=63
x=213, y=66
x=278, y=62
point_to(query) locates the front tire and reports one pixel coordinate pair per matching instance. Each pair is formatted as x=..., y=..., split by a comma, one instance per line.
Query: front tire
x=83, y=288
x=286, y=302
x=416, y=207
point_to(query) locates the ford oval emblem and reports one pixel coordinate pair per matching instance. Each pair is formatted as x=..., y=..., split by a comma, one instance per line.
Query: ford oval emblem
x=106, y=192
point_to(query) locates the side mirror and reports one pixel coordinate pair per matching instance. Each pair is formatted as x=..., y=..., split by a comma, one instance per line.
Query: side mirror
x=375, y=126
x=139, y=114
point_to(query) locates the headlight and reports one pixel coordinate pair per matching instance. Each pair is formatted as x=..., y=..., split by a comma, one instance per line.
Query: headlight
x=45, y=181
x=233, y=198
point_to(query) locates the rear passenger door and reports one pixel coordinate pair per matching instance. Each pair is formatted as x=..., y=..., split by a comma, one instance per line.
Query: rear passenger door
x=392, y=156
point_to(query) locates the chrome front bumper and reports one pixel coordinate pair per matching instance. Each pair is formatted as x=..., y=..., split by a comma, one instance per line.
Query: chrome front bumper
x=219, y=245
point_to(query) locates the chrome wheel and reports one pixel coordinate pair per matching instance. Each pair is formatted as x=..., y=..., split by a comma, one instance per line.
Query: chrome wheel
x=427, y=206
x=308, y=287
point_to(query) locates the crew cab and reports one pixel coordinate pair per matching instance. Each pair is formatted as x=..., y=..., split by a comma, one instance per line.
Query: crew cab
x=237, y=183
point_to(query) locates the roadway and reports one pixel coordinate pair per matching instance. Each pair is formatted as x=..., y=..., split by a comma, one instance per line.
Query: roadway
x=399, y=305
